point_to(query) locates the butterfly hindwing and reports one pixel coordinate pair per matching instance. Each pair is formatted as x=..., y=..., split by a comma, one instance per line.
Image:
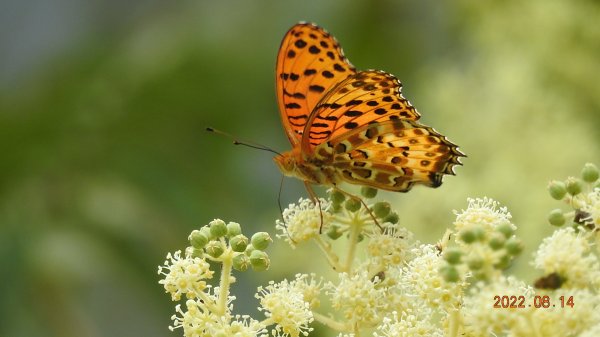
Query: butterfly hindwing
x=309, y=64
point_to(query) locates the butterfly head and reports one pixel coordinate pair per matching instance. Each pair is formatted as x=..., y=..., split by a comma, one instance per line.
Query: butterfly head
x=287, y=163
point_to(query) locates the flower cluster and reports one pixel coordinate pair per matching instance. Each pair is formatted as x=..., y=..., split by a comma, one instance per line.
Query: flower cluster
x=386, y=283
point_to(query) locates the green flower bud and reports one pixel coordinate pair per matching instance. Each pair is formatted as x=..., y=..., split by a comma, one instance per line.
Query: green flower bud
x=261, y=240
x=352, y=204
x=453, y=255
x=259, y=260
x=337, y=197
x=335, y=208
x=241, y=262
x=480, y=275
x=556, y=217
x=449, y=273
x=198, y=252
x=249, y=250
x=206, y=231
x=233, y=229
x=479, y=233
x=590, y=173
x=368, y=192
x=382, y=209
x=198, y=239
x=497, y=240
x=218, y=228
x=506, y=228
x=504, y=262
x=557, y=189
x=467, y=236
x=475, y=263
x=334, y=232
x=514, y=246
x=214, y=249
x=238, y=243
x=573, y=186
x=392, y=218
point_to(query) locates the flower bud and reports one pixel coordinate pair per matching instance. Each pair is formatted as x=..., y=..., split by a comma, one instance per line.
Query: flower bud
x=214, y=248
x=368, y=192
x=261, y=240
x=334, y=232
x=352, y=204
x=449, y=273
x=475, y=263
x=198, y=239
x=590, y=173
x=557, y=189
x=238, y=243
x=337, y=197
x=259, y=260
x=392, y=218
x=514, y=246
x=573, y=186
x=504, y=262
x=218, y=228
x=497, y=240
x=233, y=229
x=206, y=231
x=382, y=209
x=467, y=236
x=556, y=217
x=453, y=255
x=506, y=228
x=197, y=252
x=241, y=262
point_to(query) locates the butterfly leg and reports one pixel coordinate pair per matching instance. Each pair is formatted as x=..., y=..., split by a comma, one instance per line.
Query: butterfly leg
x=350, y=195
x=317, y=202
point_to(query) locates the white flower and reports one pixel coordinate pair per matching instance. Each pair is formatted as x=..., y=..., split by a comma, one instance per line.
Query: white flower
x=592, y=207
x=482, y=213
x=566, y=321
x=357, y=298
x=569, y=254
x=310, y=288
x=421, y=278
x=284, y=305
x=409, y=324
x=482, y=319
x=303, y=221
x=592, y=332
x=392, y=246
x=184, y=275
x=197, y=321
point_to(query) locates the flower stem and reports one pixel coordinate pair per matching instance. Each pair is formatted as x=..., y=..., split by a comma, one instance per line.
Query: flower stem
x=224, y=283
x=329, y=254
x=330, y=322
x=454, y=323
x=353, y=239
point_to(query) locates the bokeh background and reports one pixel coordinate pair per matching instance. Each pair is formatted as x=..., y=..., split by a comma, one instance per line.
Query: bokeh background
x=105, y=165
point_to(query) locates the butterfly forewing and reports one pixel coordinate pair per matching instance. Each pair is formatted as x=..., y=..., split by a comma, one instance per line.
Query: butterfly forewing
x=309, y=64
x=366, y=97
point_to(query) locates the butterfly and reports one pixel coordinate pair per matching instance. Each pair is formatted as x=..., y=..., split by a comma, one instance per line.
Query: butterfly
x=351, y=126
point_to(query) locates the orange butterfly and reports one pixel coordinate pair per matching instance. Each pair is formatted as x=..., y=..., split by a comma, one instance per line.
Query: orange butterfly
x=352, y=126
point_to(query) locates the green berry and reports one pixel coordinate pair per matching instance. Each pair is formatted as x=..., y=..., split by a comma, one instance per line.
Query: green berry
x=241, y=262
x=573, y=186
x=382, y=209
x=334, y=232
x=393, y=218
x=218, y=228
x=352, y=204
x=261, y=240
x=259, y=260
x=233, y=229
x=557, y=189
x=337, y=197
x=506, y=228
x=556, y=217
x=514, y=246
x=497, y=240
x=590, y=173
x=368, y=192
x=198, y=239
x=238, y=243
x=214, y=249
x=449, y=273
x=453, y=255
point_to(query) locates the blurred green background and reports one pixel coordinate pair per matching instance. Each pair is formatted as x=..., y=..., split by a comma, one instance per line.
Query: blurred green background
x=106, y=167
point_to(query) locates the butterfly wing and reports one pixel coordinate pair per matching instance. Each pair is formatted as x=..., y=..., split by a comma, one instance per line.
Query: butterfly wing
x=392, y=155
x=309, y=64
x=369, y=96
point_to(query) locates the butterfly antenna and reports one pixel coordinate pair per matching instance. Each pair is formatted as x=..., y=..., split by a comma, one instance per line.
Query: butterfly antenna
x=244, y=143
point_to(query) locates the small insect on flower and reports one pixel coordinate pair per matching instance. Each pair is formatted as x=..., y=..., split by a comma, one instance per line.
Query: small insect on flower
x=351, y=126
